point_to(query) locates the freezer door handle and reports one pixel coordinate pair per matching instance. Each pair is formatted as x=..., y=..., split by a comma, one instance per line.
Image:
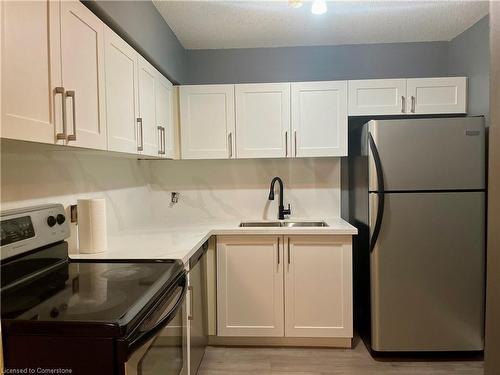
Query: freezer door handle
x=380, y=193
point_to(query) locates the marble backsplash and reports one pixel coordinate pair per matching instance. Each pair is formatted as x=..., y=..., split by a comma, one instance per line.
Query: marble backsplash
x=138, y=191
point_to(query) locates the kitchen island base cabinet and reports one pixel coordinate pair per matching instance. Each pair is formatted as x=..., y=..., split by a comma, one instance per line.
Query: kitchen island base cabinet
x=286, y=287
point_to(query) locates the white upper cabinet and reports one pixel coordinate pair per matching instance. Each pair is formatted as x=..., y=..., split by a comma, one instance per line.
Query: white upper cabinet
x=165, y=116
x=408, y=96
x=26, y=94
x=207, y=121
x=437, y=95
x=148, y=130
x=80, y=48
x=262, y=120
x=122, y=104
x=319, y=118
x=318, y=286
x=377, y=97
x=250, y=286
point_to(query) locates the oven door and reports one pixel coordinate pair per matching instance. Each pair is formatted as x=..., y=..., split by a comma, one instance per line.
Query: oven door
x=158, y=345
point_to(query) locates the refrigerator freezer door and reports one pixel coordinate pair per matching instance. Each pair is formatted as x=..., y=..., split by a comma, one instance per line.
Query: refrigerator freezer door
x=427, y=272
x=429, y=154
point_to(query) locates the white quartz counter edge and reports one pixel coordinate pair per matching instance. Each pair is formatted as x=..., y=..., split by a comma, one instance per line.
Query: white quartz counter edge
x=181, y=241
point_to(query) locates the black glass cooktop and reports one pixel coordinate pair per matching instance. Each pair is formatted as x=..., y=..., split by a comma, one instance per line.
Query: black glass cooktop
x=108, y=292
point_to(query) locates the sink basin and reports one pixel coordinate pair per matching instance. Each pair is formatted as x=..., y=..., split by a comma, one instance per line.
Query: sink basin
x=286, y=224
x=261, y=224
x=293, y=224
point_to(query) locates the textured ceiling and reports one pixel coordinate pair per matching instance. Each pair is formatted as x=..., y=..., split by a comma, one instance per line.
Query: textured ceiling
x=246, y=24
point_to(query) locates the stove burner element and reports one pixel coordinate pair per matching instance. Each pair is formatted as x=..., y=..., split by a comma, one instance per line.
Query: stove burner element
x=87, y=305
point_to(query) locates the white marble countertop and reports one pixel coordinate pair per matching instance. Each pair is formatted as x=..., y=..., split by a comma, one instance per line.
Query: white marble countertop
x=182, y=240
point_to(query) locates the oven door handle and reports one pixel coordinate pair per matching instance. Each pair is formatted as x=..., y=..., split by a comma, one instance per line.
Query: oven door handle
x=144, y=337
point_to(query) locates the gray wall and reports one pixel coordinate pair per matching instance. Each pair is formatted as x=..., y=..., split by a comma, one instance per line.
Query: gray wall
x=469, y=55
x=317, y=63
x=140, y=23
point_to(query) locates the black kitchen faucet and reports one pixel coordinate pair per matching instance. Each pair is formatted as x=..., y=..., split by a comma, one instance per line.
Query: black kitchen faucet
x=282, y=211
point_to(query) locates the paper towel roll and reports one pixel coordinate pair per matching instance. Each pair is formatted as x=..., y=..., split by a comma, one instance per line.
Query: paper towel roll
x=92, y=233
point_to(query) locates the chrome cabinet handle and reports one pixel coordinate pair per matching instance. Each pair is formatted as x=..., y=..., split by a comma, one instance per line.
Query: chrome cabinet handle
x=295, y=140
x=403, y=104
x=140, y=146
x=164, y=138
x=286, y=143
x=288, y=250
x=413, y=104
x=71, y=94
x=230, y=136
x=64, y=134
x=190, y=315
x=160, y=140
x=278, y=250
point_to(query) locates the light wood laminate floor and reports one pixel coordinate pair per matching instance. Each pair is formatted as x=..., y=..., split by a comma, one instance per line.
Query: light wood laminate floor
x=312, y=361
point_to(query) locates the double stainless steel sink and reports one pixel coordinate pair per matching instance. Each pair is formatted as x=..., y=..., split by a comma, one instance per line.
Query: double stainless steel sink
x=285, y=224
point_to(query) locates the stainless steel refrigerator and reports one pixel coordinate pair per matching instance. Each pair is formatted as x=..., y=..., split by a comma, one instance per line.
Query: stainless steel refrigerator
x=417, y=196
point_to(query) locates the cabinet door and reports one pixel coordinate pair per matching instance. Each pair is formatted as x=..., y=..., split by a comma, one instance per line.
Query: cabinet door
x=319, y=118
x=207, y=121
x=148, y=130
x=437, y=95
x=377, y=97
x=262, y=120
x=82, y=69
x=121, y=94
x=165, y=115
x=318, y=286
x=26, y=96
x=250, y=286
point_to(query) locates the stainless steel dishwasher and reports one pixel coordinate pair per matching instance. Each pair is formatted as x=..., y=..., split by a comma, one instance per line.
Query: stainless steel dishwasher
x=198, y=312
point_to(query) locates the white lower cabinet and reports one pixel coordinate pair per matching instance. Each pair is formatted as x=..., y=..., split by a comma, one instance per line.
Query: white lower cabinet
x=318, y=286
x=284, y=286
x=250, y=286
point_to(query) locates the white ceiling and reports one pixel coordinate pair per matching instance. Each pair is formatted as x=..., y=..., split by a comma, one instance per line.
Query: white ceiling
x=212, y=24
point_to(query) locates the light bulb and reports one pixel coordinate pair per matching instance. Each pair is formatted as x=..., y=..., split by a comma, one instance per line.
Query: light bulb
x=319, y=7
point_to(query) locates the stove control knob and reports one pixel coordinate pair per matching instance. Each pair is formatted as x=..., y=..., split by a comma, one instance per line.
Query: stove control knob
x=54, y=313
x=51, y=221
x=60, y=219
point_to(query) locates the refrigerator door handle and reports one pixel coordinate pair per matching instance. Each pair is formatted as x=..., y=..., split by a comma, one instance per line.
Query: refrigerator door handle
x=380, y=193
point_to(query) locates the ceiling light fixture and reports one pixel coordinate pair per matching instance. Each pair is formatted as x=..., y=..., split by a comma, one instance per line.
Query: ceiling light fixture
x=295, y=3
x=319, y=7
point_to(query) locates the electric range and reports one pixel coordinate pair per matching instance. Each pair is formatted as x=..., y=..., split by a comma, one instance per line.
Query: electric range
x=87, y=317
